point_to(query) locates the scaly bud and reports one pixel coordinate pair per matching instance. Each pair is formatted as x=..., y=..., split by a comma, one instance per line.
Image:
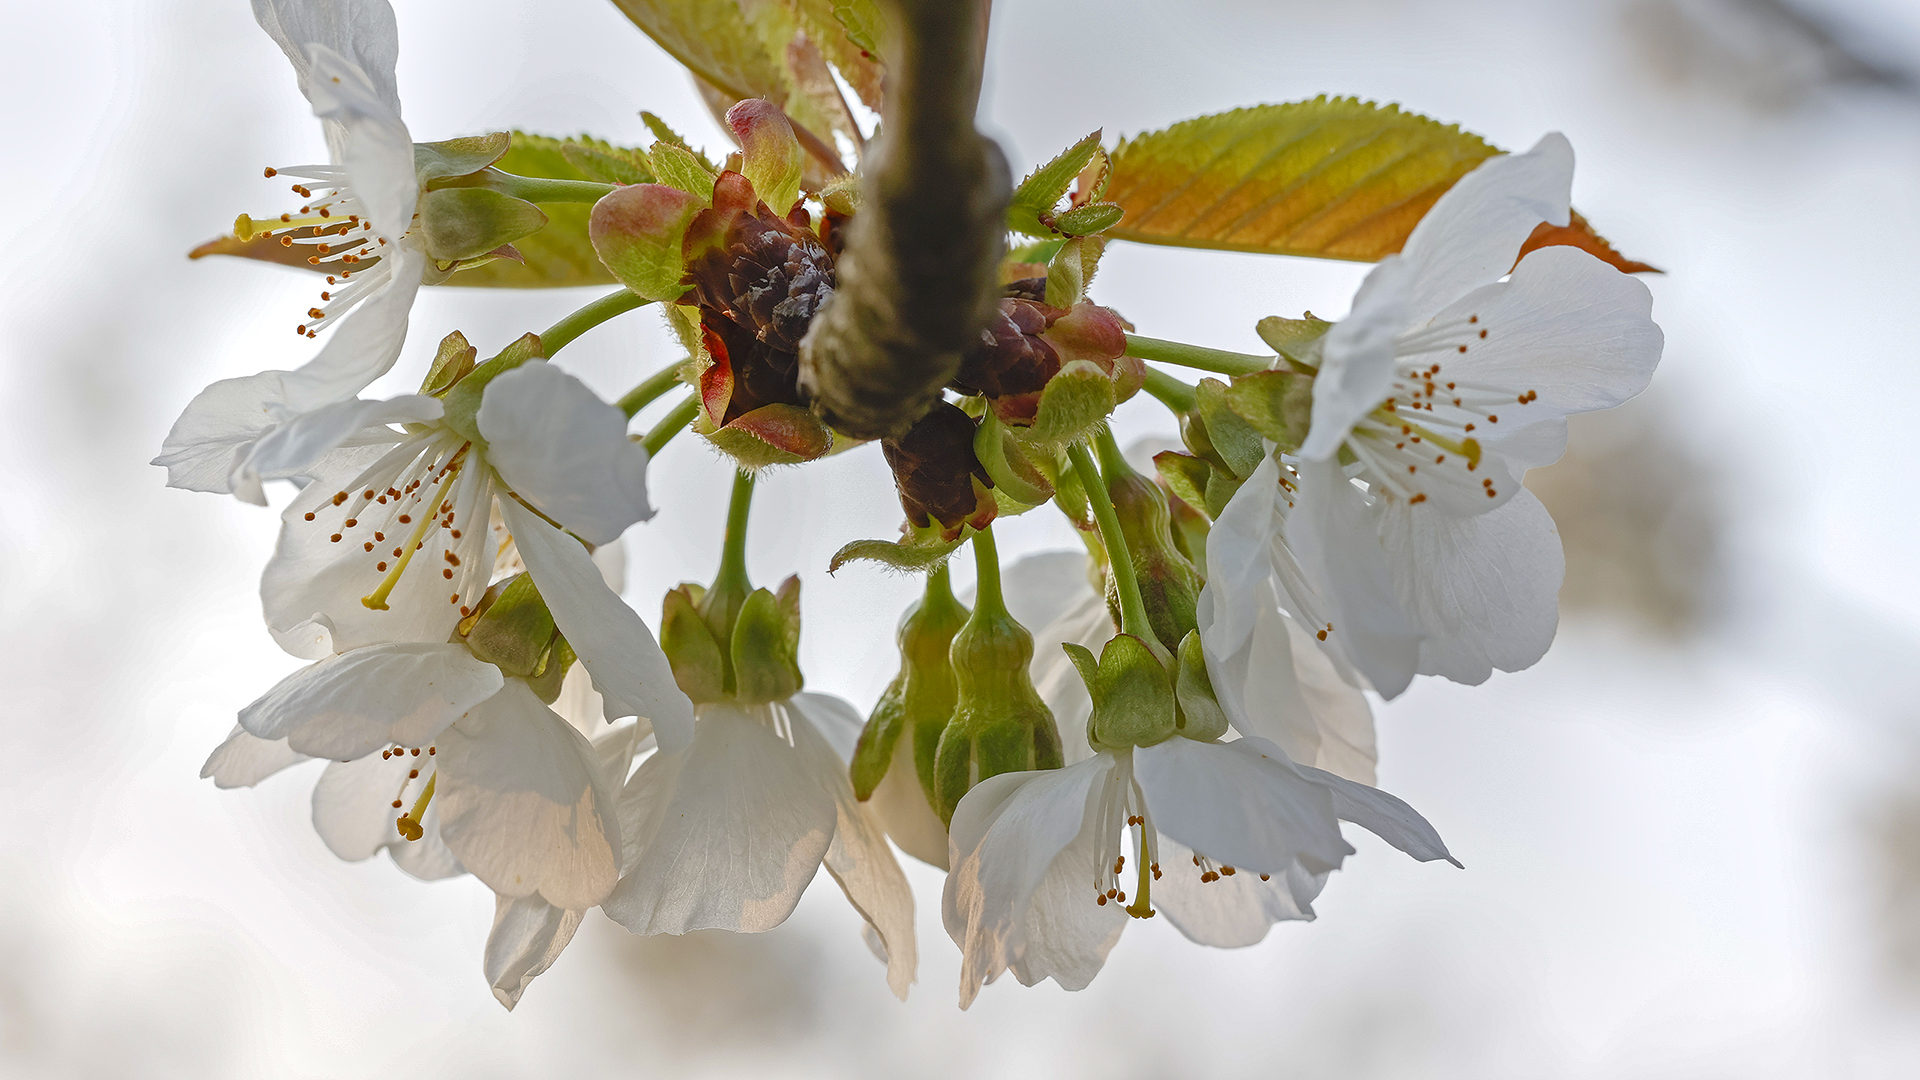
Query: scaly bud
x=771, y=154
x=937, y=473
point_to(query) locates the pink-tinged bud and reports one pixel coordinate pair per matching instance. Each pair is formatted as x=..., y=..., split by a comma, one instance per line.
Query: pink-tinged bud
x=638, y=231
x=772, y=156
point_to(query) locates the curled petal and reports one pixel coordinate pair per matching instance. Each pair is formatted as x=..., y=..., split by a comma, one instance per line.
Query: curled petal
x=565, y=451
x=527, y=937
x=244, y=759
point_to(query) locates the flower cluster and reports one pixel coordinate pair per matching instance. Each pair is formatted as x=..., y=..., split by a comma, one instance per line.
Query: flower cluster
x=1175, y=720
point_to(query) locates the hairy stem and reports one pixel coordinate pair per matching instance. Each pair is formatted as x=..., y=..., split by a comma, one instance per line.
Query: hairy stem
x=920, y=274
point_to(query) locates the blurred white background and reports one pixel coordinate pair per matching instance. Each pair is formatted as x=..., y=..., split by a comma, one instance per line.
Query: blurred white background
x=1692, y=833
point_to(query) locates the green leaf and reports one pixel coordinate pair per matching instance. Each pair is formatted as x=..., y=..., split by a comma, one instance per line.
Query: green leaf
x=1336, y=178
x=712, y=39
x=1089, y=219
x=638, y=232
x=610, y=165
x=665, y=134
x=915, y=556
x=1044, y=187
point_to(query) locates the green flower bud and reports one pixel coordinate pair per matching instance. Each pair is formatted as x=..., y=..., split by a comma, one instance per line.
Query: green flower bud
x=462, y=223
x=999, y=722
x=921, y=698
x=1132, y=691
x=452, y=363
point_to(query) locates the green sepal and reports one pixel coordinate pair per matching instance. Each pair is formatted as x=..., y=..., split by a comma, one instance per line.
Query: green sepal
x=458, y=157
x=513, y=629
x=463, y=398
x=914, y=554
x=766, y=646
x=1296, y=339
x=639, y=232
x=677, y=167
x=691, y=650
x=1078, y=399
x=468, y=222
x=1220, y=488
x=873, y=753
x=1277, y=404
x=1089, y=219
x=1133, y=698
x=777, y=434
x=1200, y=714
x=1236, y=442
x=1190, y=527
x=1185, y=475
x=547, y=678
x=1014, y=475
x=451, y=363
x=1042, y=188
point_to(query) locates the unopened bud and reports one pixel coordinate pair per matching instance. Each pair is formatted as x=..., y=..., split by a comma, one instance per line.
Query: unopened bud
x=918, y=703
x=999, y=722
x=1169, y=584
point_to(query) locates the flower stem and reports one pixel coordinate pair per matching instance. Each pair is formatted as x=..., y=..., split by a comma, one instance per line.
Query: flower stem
x=561, y=334
x=1195, y=356
x=643, y=395
x=733, y=552
x=1174, y=394
x=535, y=189
x=986, y=563
x=671, y=424
x=1133, y=610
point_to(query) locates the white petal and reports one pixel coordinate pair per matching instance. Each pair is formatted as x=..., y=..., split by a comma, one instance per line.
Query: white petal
x=1006, y=836
x=1067, y=932
x=1238, y=806
x=903, y=809
x=244, y=760
x=1040, y=588
x=1383, y=815
x=1085, y=621
x=834, y=718
x=1472, y=236
x=1282, y=687
x=527, y=937
x=291, y=448
x=565, y=451
x=356, y=703
x=859, y=858
x=1485, y=589
x=1239, y=561
x=1231, y=911
x=1342, y=717
x=368, y=340
x=524, y=804
x=727, y=833
x=610, y=639
x=218, y=428
x=1530, y=447
x=354, y=814
x=311, y=579
x=360, y=30
x=1333, y=534
x=375, y=148
x=1566, y=326
x=1357, y=355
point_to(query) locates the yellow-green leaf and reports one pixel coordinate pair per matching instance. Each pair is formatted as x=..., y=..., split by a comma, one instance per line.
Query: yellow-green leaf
x=712, y=39
x=1336, y=178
